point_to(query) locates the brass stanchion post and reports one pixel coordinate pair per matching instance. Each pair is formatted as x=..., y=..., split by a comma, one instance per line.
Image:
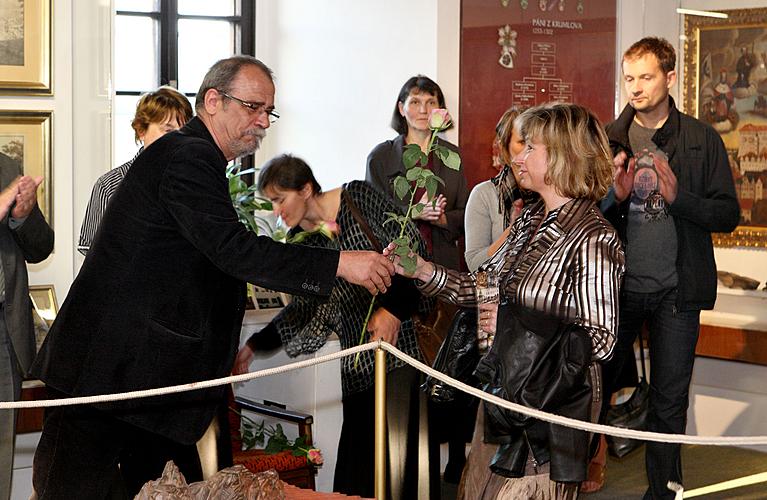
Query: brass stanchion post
x=380, y=424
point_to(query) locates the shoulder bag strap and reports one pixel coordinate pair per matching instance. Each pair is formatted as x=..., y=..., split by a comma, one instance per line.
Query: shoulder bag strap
x=361, y=221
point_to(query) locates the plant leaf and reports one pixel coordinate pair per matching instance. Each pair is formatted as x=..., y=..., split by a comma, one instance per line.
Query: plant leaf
x=408, y=263
x=453, y=160
x=411, y=155
x=424, y=159
x=413, y=173
x=401, y=187
x=417, y=209
x=432, y=183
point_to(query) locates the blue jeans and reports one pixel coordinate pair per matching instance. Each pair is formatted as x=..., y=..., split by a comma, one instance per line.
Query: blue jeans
x=673, y=336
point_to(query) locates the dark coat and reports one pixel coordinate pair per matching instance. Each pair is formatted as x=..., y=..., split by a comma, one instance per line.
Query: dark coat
x=385, y=164
x=706, y=201
x=540, y=362
x=160, y=297
x=31, y=242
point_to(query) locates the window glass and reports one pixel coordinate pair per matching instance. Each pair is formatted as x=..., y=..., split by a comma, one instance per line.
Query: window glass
x=136, y=53
x=125, y=143
x=138, y=5
x=196, y=53
x=206, y=7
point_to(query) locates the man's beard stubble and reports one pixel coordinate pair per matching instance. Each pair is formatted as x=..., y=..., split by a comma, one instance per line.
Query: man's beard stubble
x=242, y=148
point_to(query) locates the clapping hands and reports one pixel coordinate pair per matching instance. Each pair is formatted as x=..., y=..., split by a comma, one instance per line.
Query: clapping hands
x=23, y=192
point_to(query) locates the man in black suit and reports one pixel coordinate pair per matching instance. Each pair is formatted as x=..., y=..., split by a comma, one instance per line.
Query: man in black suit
x=160, y=297
x=25, y=236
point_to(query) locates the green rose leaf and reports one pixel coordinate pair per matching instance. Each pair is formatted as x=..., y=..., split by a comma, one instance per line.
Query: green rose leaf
x=453, y=160
x=417, y=209
x=432, y=183
x=408, y=263
x=401, y=187
x=424, y=158
x=402, y=250
x=411, y=155
x=414, y=173
x=441, y=151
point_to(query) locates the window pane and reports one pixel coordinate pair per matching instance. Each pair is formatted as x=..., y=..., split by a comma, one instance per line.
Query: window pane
x=138, y=5
x=136, y=53
x=200, y=44
x=206, y=7
x=125, y=143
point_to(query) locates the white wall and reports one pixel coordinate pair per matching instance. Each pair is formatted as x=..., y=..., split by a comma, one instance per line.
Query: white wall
x=56, y=269
x=339, y=67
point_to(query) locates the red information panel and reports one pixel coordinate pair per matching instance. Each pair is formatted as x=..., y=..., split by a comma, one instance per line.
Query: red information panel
x=529, y=52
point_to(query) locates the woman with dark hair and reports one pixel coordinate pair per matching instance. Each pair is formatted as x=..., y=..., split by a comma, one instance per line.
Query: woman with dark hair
x=441, y=223
x=560, y=271
x=305, y=324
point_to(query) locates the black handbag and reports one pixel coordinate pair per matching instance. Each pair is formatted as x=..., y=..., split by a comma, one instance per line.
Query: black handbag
x=631, y=414
x=457, y=357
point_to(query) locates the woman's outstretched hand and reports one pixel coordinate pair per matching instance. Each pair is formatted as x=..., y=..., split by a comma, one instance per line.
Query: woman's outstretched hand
x=243, y=360
x=423, y=268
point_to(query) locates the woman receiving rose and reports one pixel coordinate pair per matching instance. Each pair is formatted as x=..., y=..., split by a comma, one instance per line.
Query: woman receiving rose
x=560, y=270
x=359, y=212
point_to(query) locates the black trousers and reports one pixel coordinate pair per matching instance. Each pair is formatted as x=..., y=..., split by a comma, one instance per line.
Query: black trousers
x=86, y=453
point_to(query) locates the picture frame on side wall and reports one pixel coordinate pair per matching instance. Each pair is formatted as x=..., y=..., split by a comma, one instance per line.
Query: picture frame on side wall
x=725, y=85
x=25, y=138
x=44, y=310
x=25, y=47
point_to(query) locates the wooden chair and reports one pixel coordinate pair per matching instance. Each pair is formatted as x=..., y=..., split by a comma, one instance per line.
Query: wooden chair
x=297, y=471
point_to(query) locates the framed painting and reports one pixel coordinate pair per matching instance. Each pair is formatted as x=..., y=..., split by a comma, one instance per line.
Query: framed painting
x=25, y=47
x=25, y=140
x=725, y=85
x=44, y=310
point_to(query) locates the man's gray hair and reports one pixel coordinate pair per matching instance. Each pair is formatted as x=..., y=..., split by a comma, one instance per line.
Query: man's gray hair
x=221, y=75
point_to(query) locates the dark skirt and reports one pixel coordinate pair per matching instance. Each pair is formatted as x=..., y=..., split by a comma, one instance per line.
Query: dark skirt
x=412, y=468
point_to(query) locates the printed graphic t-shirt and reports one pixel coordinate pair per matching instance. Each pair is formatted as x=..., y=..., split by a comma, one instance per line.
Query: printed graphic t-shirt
x=652, y=244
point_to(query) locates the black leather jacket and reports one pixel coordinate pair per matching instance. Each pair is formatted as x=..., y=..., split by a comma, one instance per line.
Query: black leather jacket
x=540, y=362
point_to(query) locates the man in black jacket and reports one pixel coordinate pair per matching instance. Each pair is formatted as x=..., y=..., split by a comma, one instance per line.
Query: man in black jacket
x=160, y=297
x=672, y=188
x=25, y=237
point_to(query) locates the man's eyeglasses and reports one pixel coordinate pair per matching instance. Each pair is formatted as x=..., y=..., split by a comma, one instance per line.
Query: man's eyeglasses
x=255, y=107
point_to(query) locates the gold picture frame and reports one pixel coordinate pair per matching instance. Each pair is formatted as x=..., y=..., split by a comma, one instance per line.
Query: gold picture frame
x=25, y=47
x=725, y=85
x=44, y=310
x=25, y=137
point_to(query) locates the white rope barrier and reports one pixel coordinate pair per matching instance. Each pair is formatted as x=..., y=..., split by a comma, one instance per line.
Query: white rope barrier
x=541, y=415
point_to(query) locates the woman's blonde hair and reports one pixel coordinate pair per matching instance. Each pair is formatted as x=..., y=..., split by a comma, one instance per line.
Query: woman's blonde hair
x=579, y=164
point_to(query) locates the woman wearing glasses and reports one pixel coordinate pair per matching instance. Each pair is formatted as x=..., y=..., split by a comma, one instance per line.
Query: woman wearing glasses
x=560, y=271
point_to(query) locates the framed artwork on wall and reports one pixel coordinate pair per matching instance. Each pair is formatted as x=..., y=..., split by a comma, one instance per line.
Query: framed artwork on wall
x=25, y=47
x=25, y=138
x=525, y=53
x=725, y=85
x=44, y=310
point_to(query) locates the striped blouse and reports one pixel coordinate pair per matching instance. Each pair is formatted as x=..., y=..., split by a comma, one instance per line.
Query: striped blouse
x=103, y=189
x=571, y=267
